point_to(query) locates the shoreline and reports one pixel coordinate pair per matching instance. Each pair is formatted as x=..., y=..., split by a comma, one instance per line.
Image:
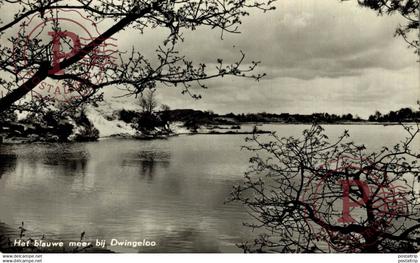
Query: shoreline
x=221, y=129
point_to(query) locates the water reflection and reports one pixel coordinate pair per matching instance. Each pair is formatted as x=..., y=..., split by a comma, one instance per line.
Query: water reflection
x=73, y=163
x=7, y=163
x=170, y=191
x=65, y=159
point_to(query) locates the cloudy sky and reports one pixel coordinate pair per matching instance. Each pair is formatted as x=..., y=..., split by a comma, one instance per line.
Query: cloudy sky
x=320, y=56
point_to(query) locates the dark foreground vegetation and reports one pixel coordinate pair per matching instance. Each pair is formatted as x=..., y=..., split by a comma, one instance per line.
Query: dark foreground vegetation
x=310, y=193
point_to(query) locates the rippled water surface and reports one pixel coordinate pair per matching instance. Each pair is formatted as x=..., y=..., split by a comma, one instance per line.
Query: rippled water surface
x=170, y=191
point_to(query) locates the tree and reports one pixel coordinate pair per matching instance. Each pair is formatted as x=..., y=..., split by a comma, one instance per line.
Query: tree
x=149, y=119
x=165, y=116
x=23, y=69
x=348, y=117
x=309, y=194
x=148, y=101
x=409, y=9
x=165, y=108
x=376, y=117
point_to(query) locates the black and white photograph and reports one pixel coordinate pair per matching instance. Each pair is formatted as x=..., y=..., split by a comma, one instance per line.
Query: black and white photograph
x=209, y=126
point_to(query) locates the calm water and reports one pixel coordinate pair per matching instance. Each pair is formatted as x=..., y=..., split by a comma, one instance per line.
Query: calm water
x=170, y=191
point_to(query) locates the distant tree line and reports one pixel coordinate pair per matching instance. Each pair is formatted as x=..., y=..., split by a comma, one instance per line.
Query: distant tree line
x=196, y=118
x=402, y=115
x=294, y=118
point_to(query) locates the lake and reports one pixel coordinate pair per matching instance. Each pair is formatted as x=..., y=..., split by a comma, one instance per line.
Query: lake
x=169, y=191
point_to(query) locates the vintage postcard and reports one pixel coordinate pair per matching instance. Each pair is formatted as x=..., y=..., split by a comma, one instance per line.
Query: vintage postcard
x=209, y=126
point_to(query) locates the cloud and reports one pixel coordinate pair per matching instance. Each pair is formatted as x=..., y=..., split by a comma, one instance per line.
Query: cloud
x=376, y=89
x=323, y=38
x=320, y=55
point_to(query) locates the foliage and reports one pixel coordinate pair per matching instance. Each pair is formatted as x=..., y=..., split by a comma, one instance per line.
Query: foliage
x=295, y=191
x=148, y=101
x=404, y=114
x=127, y=116
x=133, y=70
x=7, y=245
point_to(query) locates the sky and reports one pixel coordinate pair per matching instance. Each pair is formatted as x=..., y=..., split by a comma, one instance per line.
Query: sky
x=319, y=56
